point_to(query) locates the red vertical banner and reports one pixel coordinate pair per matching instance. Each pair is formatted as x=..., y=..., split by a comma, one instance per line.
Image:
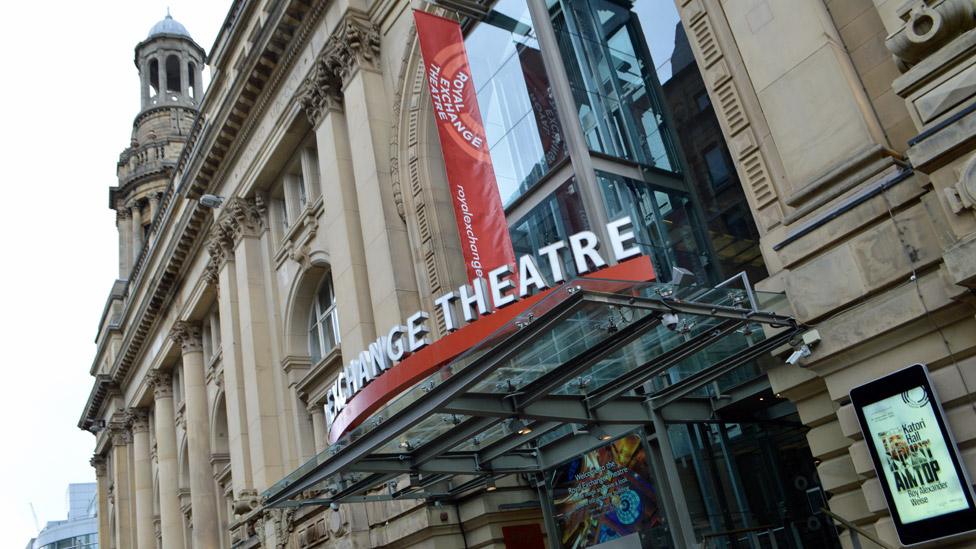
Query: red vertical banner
x=478, y=209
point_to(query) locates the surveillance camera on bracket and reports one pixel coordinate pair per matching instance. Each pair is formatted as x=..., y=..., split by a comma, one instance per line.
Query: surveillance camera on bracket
x=211, y=201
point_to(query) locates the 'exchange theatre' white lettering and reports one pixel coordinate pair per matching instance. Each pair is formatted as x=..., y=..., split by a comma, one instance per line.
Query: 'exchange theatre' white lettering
x=481, y=297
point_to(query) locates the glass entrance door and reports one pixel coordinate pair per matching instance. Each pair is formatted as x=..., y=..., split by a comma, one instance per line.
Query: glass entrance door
x=751, y=485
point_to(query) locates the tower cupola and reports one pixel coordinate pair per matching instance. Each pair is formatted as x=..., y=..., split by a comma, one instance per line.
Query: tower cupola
x=170, y=65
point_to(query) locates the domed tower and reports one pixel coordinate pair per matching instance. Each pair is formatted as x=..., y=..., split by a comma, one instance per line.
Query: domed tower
x=169, y=64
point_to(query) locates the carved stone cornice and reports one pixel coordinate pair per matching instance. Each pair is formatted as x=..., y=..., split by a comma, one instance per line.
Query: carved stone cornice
x=187, y=334
x=138, y=420
x=929, y=25
x=162, y=383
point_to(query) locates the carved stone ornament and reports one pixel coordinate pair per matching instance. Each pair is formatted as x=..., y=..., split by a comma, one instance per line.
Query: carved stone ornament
x=138, y=419
x=162, y=383
x=962, y=195
x=929, y=25
x=118, y=429
x=245, y=216
x=354, y=45
x=220, y=246
x=320, y=92
x=100, y=465
x=187, y=334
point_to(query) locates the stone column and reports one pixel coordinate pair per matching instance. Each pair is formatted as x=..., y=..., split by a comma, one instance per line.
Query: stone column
x=202, y=496
x=142, y=477
x=221, y=250
x=136, y=233
x=184, y=79
x=318, y=426
x=144, y=87
x=341, y=222
x=153, y=206
x=355, y=54
x=123, y=222
x=171, y=523
x=163, y=83
x=245, y=222
x=121, y=439
x=101, y=476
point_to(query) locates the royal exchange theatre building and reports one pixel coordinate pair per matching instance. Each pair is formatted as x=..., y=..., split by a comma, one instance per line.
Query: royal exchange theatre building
x=292, y=355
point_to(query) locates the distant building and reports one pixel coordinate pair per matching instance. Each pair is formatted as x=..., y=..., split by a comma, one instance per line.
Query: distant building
x=80, y=529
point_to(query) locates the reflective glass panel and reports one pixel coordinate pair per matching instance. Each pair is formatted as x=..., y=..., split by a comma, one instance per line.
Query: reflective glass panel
x=613, y=81
x=515, y=99
x=666, y=222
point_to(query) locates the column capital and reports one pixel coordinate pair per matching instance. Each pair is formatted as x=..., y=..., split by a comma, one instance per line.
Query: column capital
x=187, y=334
x=100, y=465
x=122, y=213
x=138, y=420
x=245, y=216
x=162, y=383
x=354, y=45
x=321, y=92
x=118, y=429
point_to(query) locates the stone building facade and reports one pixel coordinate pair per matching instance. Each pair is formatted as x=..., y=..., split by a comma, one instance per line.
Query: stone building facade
x=843, y=171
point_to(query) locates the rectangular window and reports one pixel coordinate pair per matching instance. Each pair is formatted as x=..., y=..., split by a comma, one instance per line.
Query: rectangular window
x=719, y=174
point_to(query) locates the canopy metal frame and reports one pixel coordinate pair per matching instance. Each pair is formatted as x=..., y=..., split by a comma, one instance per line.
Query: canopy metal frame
x=359, y=471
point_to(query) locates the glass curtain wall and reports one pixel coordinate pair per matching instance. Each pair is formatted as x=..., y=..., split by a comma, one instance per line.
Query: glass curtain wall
x=524, y=135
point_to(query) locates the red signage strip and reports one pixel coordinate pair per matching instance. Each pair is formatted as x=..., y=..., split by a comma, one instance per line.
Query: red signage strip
x=478, y=210
x=428, y=360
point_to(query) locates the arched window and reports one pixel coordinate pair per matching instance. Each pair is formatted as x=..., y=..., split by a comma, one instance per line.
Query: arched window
x=173, y=74
x=153, y=77
x=323, y=331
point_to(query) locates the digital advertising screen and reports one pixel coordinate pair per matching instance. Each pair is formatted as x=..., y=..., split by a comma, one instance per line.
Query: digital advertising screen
x=916, y=459
x=924, y=480
x=606, y=494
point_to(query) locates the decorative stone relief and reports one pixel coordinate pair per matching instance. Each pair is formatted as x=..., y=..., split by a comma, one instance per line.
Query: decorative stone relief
x=354, y=45
x=244, y=216
x=962, y=195
x=138, y=419
x=929, y=25
x=118, y=429
x=187, y=334
x=161, y=382
x=100, y=465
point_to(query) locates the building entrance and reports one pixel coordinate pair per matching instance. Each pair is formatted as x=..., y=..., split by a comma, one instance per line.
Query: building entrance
x=638, y=412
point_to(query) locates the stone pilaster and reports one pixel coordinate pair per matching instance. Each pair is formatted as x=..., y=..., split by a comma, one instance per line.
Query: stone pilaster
x=100, y=465
x=138, y=419
x=244, y=220
x=202, y=493
x=123, y=221
x=171, y=523
x=122, y=482
x=136, y=209
x=223, y=271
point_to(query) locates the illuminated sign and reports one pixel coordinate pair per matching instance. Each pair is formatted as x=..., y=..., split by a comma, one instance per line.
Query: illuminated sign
x=927, y=489
x=486, y=305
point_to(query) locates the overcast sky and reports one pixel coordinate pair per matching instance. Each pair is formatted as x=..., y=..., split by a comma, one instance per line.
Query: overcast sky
x=68, y=94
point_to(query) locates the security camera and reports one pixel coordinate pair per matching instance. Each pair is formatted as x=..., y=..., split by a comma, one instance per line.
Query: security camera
x=211, y=201
x=802, y=352
x=670, y=321
x=334, y=506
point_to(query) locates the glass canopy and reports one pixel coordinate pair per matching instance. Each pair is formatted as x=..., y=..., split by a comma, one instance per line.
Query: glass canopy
x=589, y=363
